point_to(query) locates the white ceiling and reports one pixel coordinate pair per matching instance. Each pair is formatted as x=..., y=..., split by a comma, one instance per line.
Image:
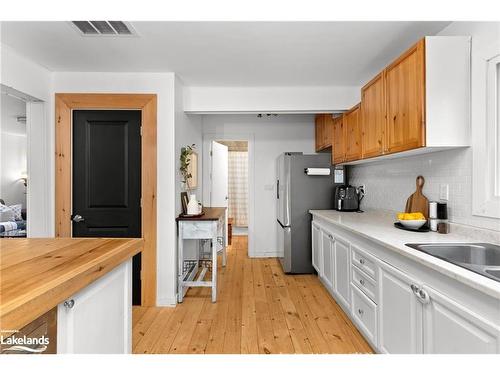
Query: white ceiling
x=226, y=53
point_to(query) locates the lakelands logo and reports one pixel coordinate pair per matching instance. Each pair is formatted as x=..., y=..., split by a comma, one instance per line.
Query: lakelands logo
x=24, y=344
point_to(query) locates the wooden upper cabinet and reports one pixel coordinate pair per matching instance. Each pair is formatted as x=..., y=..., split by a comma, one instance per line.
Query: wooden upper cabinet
x=405, y=96
x=338, y=146
x=352, y=134
x=318, y=129
x=327, y=130
x=323, y=129
x=373, y=118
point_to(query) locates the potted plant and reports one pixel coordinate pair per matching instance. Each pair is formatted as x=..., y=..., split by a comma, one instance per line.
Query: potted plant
x=185, y=160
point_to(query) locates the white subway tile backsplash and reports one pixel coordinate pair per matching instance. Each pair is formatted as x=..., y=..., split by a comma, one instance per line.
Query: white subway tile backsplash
x=389, y=183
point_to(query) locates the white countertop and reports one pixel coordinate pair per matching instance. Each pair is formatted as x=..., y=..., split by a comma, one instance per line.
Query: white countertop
x=378, y=226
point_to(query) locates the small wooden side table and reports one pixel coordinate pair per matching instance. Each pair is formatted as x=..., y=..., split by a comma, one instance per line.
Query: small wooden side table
x=211, y=226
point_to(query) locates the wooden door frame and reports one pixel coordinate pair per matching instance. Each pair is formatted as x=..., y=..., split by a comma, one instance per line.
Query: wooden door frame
x=146, y=103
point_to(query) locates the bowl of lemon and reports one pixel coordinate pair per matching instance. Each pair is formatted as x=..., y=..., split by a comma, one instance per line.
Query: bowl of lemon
x=412, y=220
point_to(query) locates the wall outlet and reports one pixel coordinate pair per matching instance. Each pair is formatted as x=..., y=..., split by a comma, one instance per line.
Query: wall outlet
x=444, y=192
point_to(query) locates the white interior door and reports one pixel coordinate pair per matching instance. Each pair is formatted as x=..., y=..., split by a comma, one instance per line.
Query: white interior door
x=218, y=175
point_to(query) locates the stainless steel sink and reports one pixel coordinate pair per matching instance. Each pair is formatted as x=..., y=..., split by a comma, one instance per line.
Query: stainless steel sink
x=482, y=258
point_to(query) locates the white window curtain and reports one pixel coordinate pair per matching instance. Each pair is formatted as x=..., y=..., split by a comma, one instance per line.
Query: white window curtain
x=238, y=187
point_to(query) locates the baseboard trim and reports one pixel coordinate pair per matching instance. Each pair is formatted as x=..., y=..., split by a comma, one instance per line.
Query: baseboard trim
x=266, y=255
x=167, y=301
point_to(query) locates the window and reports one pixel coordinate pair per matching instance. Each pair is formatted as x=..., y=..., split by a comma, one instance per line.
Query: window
x=485, y=118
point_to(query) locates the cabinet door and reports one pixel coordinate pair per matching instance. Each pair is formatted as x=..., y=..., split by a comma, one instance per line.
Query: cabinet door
x=328, y=258
x=338, y=151
x=400, y=313
x=405, y=90
x=352, y=134
x=316, y=248
x=373, y=119
x=342, y=271
x=100, y=320
x=327, y=130
x=319, y=129
x=450, y=328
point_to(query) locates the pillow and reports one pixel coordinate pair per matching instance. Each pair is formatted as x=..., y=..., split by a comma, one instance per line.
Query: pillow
x=6, y=213
x=16, y=208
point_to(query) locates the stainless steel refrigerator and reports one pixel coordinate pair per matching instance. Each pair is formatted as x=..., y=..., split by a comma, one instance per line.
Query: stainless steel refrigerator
x=297, y=193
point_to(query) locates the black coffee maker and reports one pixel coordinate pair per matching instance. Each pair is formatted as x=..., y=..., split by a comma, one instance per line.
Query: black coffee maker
x=347, y=198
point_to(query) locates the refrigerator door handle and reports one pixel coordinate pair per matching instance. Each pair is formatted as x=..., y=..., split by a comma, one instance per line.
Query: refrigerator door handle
x=278, y=189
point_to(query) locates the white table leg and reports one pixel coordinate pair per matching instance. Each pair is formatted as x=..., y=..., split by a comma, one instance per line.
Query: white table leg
x=214, y=266
x=180, y=258
x=224, y=242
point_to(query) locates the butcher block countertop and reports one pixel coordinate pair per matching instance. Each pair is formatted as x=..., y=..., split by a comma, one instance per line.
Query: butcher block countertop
x=36, y=274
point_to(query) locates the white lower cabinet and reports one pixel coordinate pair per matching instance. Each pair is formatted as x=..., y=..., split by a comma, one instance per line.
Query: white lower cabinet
x=342, y=271
x=400, y=313
x=98, y=319
x=404, y=308
x=364, y=313
x=452, y=328
x=316, y=247
x=328, y=259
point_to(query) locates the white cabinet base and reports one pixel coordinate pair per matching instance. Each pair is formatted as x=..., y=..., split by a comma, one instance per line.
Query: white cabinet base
x=401, y=306
x=450, y=328
x=98, y=319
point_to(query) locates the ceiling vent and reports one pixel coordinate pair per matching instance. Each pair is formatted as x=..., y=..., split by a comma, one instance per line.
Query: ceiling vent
x=104, y=28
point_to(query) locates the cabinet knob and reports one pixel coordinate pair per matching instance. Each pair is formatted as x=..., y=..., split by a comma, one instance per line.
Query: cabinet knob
x=69, y=303
x=424, y=296
x=362, y=261
x=362, y=282
x=360, y=312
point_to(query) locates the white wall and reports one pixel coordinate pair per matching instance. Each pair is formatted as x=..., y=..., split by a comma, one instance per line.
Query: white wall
x=24, y=75
x=187, y=132
x=389, y=183
x=270, y=99
x=271, y=137
x=14, y=151
x=161, y=84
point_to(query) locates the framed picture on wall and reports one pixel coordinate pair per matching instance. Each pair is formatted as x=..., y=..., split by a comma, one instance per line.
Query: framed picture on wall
x=184, y=202
x=193, y=170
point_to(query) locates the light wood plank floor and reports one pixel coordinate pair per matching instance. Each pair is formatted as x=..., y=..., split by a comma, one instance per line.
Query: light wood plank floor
x=259, y=309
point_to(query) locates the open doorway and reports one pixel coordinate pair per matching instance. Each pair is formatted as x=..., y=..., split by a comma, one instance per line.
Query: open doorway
x=23, y=187
x=237, y=187
x=14, y=166
x=239, y=182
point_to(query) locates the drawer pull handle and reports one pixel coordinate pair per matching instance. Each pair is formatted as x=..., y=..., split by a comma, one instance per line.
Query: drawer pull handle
x=360, y=312
x=362, y=261
x=69, y=303
x=362, y=282
x=415, y=289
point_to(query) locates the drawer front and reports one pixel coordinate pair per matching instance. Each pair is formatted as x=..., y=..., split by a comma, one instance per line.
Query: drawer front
x=364, y=283
x=364, y=312
x=364, y=262
x=198, y=229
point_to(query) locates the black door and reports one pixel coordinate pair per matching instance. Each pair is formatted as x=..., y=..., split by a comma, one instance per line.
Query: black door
x=107, y=178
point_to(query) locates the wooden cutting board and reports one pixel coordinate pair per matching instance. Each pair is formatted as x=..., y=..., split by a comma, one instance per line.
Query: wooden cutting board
x=417, y=202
